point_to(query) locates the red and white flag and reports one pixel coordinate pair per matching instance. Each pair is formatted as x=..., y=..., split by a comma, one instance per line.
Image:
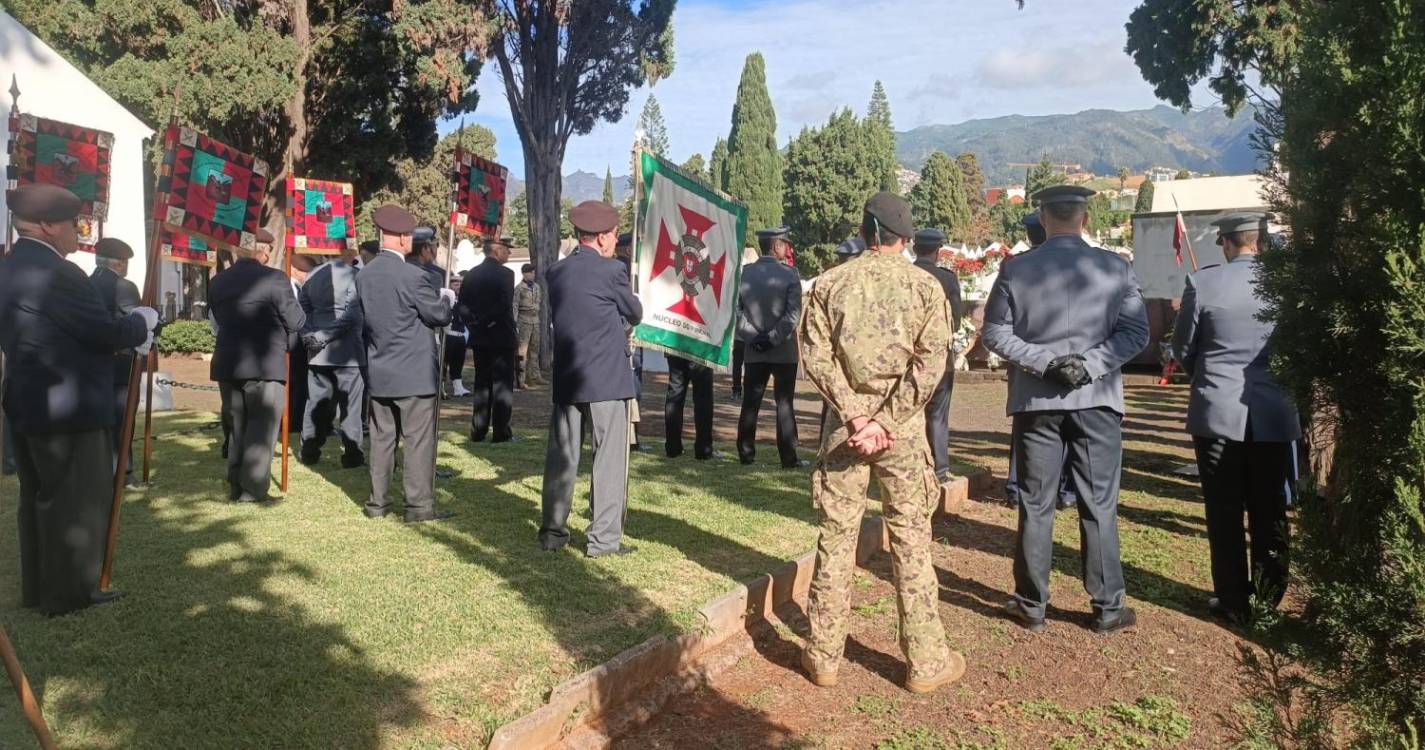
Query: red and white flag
x=1179, y=238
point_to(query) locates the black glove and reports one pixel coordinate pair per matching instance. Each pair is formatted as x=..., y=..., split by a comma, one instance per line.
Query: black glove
x=1068, y=371
x=761, y=344
x=314, y=343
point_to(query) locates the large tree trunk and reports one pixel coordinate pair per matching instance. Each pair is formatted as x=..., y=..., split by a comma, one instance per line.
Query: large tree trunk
x=543, y=185
x=294, y=153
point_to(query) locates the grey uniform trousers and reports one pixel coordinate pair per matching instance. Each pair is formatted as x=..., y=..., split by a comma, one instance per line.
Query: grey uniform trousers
x=65, y=486
x=937, y=424
x=608, y=498
x=410, y=420
x=334, y=395
x=255, y=410
x=1094, y=441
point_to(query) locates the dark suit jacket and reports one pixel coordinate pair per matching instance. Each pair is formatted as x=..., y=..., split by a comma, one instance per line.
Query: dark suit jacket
x=591, y=304
x=59, y=343
x=769, y=304
x=399, y=304
x=488, y=295
x=950, y=283
x=333, y=313
x=258, y=319
x=119, y=296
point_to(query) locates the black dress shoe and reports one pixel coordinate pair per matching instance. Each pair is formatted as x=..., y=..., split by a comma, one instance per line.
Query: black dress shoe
x=244, y=497
x=441, y=516
x=374, y=514
x=735, y=396
x=234, y=493
x=310, y=453
x=626, y=549
x=714, y=456
x=1015, y=612
x=747, y=461
x=801, y=463
x=1126, y=618
x=353, y=460
x=1217, y=609
x=105, y=597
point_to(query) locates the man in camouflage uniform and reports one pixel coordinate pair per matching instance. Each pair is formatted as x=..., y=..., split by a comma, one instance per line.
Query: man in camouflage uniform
x=527, y=299
x=875, y=338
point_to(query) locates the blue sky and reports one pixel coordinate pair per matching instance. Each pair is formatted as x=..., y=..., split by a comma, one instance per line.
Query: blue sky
x=942, y=61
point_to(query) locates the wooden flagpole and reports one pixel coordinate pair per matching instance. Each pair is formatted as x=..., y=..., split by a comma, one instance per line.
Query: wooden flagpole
x=287, y=384
x=8, y=243
x=1192, y=256
x=28, y=706
x=131, y=404
x=449, y=261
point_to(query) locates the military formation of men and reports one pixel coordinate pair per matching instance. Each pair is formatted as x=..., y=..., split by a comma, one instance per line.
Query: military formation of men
x=874, y=336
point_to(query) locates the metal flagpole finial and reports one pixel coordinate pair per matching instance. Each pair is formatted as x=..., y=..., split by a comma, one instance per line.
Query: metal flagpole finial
x=14, y=94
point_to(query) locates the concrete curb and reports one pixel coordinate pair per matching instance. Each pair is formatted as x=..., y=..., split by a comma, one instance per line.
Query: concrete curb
x=589, y=710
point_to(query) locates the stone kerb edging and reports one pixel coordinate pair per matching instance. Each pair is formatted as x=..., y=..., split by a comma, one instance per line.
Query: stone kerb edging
x=604, y=702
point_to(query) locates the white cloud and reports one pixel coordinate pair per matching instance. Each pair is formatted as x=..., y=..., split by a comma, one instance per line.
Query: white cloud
x=942, y=61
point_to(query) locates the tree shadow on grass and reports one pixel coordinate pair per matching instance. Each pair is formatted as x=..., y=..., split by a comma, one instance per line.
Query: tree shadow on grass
x=203, y=652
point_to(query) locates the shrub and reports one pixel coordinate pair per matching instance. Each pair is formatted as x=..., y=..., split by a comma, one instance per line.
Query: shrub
x=186, y=337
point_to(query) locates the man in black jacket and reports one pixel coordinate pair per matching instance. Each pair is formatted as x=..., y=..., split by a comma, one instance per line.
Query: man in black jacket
x=258, y=321
x=937, y=413
x=120, y=297
x=592, y=305
x=487, y=293
x=400, y=307
x=59, y=343
x=768, y=308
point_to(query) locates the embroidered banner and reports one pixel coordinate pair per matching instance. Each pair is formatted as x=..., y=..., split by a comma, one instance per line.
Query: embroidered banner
x=72, y=157
x=321, y=217
x=180, y=247
x=213, y=191
x=479, y=194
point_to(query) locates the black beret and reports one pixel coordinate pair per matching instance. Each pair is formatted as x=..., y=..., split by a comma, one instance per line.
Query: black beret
x=423, y=235
x=851, y=248
x=393, y=219
x=113, y=247
x=265, y=237
x=1064, y=194
x=892, y=212
x=1030, y=220
x=41, y=202
x=625, y=239
x=593, y=217
x=929, y=238
x=370, y=247
x=774, y=234
x=526, y=268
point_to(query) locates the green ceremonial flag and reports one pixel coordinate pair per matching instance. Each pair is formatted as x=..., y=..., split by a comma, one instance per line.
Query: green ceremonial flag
x=689, y=264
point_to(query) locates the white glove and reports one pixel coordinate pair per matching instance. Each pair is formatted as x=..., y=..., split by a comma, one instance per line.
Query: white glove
x=143, y=349
x=449, y=296
x=149, y=315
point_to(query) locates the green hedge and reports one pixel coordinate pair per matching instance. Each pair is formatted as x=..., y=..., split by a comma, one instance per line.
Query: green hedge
x=186, y=337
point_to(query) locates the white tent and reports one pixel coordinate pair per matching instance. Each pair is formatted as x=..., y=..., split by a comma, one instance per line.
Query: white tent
x=52, y=88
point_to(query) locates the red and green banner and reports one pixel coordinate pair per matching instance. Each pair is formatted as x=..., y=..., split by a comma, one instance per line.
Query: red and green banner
x=321, y=216
x=210, y=190
x=51, y=152
x=688, y=264
x=479, y=194
x=180, y=247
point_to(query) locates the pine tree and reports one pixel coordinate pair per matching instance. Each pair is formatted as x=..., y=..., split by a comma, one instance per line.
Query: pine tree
x=938, y=200
x=655, y=131
x=1040, y=176
x=717, y=166
x=881, y=141
x=754, y=163
x=696, y=167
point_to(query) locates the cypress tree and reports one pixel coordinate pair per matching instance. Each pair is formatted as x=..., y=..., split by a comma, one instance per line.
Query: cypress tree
x=608, y=186
x=1144, y=203
x=754, y=164
x=938, y=200
x=717, y=166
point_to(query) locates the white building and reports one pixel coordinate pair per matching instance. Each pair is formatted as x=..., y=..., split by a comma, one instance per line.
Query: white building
x=52, y=88
x=1201, y=201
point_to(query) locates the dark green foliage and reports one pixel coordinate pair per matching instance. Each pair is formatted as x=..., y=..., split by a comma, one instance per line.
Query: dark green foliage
x=655, y=131
x=1040, y=176
x=717, y=165
x=1144, y=202
x=186, y=337
x=1183, y=174
x=424, y=186
x=696, y=167
x=938, y=200
x=609, y=186
x=754, y=165
x=881, y=140
x=1004, y=221
x=1349, y=300
x=827, y=184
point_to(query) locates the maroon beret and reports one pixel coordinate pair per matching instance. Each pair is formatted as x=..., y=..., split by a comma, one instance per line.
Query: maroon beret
x=113, y=247
x=41, y=202
x=265, y=237
x=393, y=219
x=594, y=217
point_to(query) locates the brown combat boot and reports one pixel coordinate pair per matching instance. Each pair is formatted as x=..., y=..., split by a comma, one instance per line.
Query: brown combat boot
x=954, y=670
x=818, y=677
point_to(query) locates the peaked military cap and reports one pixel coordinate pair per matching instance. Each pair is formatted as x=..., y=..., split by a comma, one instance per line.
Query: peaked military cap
x=423, y=235
x=507, y=239
x=1242, y=221
x=1064, y=194
x=892, y=212
x=593, y=217
x=1030, y=220
x=851, y=248
x=113, y=247
x=929, y=238
x=40, y=202
x=393, y=219
x=778, y=233
x=265, y=237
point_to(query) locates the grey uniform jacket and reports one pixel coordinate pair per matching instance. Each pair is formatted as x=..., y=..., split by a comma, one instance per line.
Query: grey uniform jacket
x=770, y=302
x=1226, y=350
x=334, y=314
x=1065, y=297
x=399, y=306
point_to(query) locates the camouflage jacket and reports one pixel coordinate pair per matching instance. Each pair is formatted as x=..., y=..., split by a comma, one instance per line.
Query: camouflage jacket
x=527, y=298
x=875, y=337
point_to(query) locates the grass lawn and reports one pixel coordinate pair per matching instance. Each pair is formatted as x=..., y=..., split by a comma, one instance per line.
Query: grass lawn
x=304, y=624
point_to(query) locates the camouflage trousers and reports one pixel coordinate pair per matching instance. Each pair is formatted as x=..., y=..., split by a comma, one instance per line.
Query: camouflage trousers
x=528, y=351
x=839, y=484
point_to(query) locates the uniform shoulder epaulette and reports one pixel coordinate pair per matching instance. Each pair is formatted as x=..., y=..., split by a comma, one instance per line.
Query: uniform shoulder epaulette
x=1214, y=265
